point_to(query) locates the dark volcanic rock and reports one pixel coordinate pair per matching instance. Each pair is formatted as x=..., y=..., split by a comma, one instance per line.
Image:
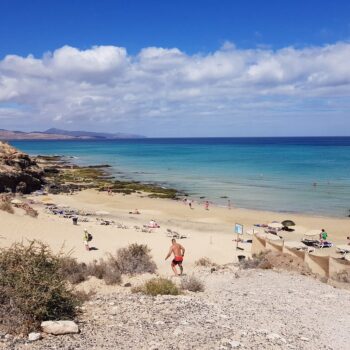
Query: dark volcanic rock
x=18, y=172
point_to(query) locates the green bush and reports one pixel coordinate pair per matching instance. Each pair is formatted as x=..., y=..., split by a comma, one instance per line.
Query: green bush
x=158, y=286
x=135, y=259
x=32, y=288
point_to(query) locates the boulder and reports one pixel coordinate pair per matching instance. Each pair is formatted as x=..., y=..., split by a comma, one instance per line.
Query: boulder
x=59, y=327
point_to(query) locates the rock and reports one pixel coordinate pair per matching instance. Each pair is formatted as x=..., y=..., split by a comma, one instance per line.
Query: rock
x=304, y=339
x=59, y=327
x=127, y=284
x=230, y=344
x=18, y=172
x=272, y=336
x=34, y=336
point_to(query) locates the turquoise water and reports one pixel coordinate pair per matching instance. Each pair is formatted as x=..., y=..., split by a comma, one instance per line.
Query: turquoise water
x=259, y=173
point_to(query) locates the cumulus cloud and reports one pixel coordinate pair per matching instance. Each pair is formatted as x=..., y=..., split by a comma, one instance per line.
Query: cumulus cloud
x=106, y=85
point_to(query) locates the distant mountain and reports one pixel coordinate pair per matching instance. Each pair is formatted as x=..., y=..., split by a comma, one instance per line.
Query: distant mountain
x=90, y=134
x=58, y=134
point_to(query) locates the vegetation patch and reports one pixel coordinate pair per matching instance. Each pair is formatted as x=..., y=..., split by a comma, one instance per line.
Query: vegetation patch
x=32, y=288
x=6, y=206
x=205, y=262
x=158, y=286
x=135, y=259
x=192, y=283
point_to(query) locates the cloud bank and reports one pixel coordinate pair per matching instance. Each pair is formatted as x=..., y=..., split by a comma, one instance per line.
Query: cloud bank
x=167, y=92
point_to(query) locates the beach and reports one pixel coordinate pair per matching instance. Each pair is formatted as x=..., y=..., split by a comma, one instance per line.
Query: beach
x=210, y=233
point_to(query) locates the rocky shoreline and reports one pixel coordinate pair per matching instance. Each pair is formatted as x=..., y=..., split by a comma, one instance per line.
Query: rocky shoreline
x=20, y=173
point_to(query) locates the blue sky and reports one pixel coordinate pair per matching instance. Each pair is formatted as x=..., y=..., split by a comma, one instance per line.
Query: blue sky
x=176, y=68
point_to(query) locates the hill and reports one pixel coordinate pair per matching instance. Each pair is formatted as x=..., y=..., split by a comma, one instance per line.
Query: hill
x=59, y=134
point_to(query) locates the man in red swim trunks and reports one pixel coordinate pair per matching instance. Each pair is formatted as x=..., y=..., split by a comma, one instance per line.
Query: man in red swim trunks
x=179, y=251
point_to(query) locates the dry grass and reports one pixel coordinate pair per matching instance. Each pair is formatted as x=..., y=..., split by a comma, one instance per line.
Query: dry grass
x=158, y=286
x=205, y=262
x=73, y=271
x=32, y=288
x=135, y=259
x=276, y=260
x=6, y=206
x=192, y=284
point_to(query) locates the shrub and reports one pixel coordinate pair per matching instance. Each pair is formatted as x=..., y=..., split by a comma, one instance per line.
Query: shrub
x=108, y=270
x=73, y=271
x=205, y=262
x=112, y=274
x=135, y=259
x=32, y=288
x=256, y=262
x=158, y=286
x=192, y=284
x=6, y=206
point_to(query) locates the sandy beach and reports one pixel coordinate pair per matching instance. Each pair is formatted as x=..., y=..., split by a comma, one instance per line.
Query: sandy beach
x=209, y=232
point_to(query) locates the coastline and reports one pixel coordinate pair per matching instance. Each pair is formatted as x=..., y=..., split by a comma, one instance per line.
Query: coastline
x=209, y=232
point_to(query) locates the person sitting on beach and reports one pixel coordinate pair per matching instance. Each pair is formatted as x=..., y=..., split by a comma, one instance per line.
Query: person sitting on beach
x=179, y=251
x=153, y=224
x=136, y=212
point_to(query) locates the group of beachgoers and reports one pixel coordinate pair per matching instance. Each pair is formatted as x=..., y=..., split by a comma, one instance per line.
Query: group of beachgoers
x=190, y=203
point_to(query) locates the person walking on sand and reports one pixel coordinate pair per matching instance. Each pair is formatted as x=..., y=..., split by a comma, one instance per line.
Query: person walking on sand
x=206, y=205
x=179, y=251
x=87, y=237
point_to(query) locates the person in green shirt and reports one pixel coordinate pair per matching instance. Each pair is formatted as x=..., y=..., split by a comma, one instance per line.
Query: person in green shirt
x=323, y=235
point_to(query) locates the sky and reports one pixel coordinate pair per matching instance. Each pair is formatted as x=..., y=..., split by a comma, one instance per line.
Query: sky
x=176, y=68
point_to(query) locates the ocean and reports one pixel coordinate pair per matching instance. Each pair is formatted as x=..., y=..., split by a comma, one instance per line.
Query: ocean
x=304, y=174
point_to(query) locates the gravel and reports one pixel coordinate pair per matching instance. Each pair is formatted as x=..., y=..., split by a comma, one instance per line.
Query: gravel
x=245, y=309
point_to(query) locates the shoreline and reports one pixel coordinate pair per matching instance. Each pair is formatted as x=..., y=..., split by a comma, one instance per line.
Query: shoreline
x=200, y=198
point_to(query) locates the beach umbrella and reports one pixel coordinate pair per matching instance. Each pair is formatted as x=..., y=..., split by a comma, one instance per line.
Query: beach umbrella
x=275, y=225
x=312, y=233
x=16, y=201
x=287, y=223
x=344, y=247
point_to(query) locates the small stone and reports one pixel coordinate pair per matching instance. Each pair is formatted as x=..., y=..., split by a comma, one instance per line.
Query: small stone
x=127, y=284
x=159, y=322
x=59, y=327
x=272, y=336
x=34, y=336
x=304, y=339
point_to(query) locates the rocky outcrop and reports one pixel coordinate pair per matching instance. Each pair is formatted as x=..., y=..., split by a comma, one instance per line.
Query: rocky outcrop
x=18, y=172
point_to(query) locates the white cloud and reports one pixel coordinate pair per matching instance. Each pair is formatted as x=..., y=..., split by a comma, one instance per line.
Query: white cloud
x=107, y=86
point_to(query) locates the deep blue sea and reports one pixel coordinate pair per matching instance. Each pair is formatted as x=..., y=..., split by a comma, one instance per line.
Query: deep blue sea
x=307, y=174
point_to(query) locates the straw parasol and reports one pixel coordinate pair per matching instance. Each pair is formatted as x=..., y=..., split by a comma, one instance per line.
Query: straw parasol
x=344, y=247
x=287, y=223
x=275, y=225
x=312, y=233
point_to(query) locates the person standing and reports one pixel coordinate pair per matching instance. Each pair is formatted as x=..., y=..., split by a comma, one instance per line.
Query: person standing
x=179, y=251
x=206, y=205
x=87, y=237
